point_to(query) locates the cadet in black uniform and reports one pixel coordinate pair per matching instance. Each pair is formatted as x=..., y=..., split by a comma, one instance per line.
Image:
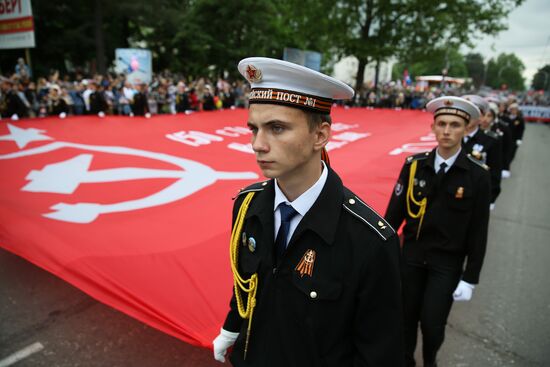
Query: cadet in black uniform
x=517, y=125
x=443, y=196
x=140, y=106
x=493, y=123
x=485, y=146
x=316, y=269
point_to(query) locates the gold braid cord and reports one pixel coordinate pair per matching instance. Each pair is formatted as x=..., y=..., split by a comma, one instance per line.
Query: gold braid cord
x=410, y=198
x=248, y=286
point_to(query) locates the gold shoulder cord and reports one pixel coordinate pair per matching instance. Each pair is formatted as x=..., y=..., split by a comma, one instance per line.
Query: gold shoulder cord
x=410, y=197
x=249, y=286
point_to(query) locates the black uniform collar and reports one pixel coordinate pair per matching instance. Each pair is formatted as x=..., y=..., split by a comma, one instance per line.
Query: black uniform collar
x=322, y=217
x=461, y=161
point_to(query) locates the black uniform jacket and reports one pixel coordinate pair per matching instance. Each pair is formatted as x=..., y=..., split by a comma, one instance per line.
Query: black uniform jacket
x=456, y=218
x=348, y=312
x=503, y=129
x=517, y=125
x=487, y=147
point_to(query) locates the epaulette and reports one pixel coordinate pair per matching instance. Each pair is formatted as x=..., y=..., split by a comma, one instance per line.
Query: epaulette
x=478, y=162
x=492, y=134
x=417, y=157
x=258, y=186
x=359, y=209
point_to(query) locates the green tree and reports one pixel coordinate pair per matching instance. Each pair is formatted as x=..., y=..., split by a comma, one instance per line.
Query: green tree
x=541, y=80
x=450, y=59
x=410, y=29
x=505, y=72
x=476, y=69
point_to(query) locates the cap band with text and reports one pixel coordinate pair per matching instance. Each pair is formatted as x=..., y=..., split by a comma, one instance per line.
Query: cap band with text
x=290, y=98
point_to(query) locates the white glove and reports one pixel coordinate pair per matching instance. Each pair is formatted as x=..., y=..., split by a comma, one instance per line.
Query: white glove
x=14, y=117
x=518, y=142
x=101, y=114
x=147, y=115
x=62, y=115
x=492, y=206
x=222, y=342
x=505, y=173
x=463, y=291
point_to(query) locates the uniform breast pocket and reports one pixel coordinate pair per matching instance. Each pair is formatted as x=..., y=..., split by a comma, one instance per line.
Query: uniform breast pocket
x=250, y=262
x=460, y=197
x=317, y=290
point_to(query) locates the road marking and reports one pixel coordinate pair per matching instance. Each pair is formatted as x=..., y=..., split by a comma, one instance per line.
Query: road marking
x=21, y=354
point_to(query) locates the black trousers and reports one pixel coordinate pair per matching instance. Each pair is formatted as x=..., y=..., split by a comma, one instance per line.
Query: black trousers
x=427, y=296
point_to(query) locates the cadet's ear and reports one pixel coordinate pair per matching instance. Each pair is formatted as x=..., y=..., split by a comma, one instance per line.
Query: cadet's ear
x=322, y=135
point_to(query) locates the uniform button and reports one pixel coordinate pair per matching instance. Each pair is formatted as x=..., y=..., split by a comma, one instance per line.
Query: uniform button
x=274, y=271
x=264, y=183
x=313, y=294
x=351, y=201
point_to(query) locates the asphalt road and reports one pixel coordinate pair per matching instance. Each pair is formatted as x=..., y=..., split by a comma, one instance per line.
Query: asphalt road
x=506, y=324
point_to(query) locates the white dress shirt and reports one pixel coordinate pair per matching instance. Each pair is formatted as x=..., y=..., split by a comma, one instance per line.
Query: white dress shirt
x=449, y=161
x=302, y=204
x=470, y=135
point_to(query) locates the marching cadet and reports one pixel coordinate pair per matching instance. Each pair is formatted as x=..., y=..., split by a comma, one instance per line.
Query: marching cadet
x=517, y=125
x=316, y=270
x=493, y=123
x=443, y=196
x=485, y=146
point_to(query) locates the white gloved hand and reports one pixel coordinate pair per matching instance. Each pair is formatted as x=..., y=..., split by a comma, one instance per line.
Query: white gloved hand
x=101, y=114
x=15, y=117
x=518, y=142
x=147, y=115
x=492, y=206
x=222, y=342
x=463, y=291
x=505, y=173
x=62, y=115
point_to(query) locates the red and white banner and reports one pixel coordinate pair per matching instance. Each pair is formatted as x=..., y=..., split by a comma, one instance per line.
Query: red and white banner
x=137, y=212
x=16, y=24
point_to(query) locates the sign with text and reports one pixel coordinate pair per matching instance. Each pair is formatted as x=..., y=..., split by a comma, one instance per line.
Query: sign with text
x=16, y=24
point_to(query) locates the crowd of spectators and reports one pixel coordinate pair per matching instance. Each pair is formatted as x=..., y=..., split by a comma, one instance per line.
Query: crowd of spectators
x=170, y=93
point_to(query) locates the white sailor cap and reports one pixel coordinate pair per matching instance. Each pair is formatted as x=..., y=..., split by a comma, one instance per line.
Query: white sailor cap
x=479, y=101
x=493, y=107
x=280, y=82
x=449, y=105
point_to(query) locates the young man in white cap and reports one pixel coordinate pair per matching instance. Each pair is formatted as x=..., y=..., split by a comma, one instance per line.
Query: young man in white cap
x=443, y=196
x=316, y=270
x=484, y=145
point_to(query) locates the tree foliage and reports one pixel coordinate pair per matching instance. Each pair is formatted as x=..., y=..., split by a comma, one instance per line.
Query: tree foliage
x=200, y=36
x=476, y=68
x=450, y=59
x=505, y=72
x=541, y=80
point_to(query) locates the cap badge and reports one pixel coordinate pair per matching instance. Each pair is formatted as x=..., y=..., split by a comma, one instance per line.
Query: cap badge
x=253, y=74
x=459, y=192
x=448, y=102
x=305, y=266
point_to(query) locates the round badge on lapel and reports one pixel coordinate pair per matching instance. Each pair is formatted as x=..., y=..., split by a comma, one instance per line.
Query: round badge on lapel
x=251, y=244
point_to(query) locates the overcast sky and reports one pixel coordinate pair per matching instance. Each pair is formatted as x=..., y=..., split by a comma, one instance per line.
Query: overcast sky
x=528, y=36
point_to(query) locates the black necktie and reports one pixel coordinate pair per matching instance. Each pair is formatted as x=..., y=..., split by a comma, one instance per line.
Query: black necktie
x=287, y=213
x=441, y=171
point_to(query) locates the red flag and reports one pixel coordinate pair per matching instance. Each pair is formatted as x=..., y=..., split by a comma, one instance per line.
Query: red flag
x=136, y=212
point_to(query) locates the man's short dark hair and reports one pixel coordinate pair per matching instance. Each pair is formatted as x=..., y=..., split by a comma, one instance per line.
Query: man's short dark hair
x=315, y=119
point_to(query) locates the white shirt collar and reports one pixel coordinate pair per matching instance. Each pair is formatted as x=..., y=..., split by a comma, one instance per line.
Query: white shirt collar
x=305, y=201
x=450, y=161
x=471, y=135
